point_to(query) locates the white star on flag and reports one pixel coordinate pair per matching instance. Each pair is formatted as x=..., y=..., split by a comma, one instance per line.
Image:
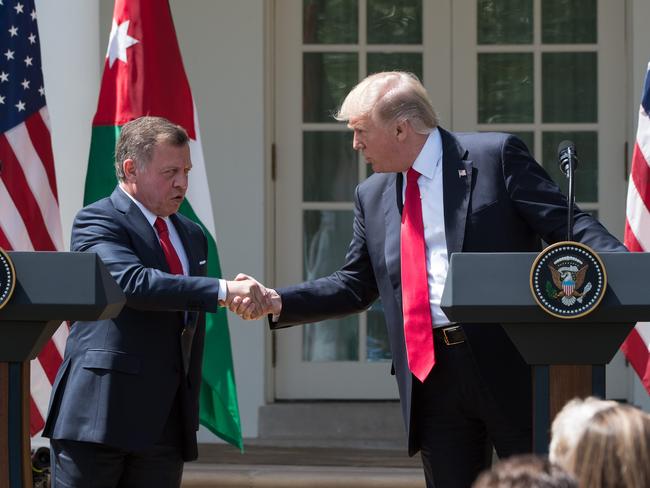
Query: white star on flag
x=28, y=61
x=32, y=38
x=2, y=100
x=25, y=84
x=41, y=91
x=9, y=54
x=20, y=106
x=19, y=8
x=13, y=31
x=119, y=42
x=33, y=14
x=4, y=77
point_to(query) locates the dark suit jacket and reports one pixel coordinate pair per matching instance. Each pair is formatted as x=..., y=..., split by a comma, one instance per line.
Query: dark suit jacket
x=119, y=377
x=503, y=202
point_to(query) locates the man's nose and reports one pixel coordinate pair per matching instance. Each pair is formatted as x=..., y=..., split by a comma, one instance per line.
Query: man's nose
x=181, y=181
x=356, y=143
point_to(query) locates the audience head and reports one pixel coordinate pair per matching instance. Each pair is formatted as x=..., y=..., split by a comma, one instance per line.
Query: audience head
x=614, y=450
x=525, y=471
x=570, y=423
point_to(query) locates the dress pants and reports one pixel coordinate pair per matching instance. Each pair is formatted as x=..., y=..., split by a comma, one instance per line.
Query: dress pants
x=457, y=420
x=76, y=464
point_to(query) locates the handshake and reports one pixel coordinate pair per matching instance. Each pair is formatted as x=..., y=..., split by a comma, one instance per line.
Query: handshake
x=251, y=300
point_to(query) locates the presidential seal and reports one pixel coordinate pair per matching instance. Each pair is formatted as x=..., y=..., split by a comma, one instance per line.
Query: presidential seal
x=568, y=280
x=7, y=278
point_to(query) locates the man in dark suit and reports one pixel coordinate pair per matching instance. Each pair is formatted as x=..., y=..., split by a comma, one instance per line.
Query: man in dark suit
x=435, y=193
x=124, y=406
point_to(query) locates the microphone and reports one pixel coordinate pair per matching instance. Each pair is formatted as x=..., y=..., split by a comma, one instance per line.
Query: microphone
x=567, y=157
x=568, y=161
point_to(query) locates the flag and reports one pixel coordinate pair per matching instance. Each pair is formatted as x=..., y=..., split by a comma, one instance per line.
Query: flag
x=29, y=207
x=637, y=230
x=144, y=75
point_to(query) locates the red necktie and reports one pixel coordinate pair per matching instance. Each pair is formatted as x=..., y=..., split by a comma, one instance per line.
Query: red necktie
x=418, y=332
x=173, y=261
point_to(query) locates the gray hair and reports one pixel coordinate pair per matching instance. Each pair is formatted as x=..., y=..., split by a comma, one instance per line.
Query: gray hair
x=139, y=137
x=391, y=96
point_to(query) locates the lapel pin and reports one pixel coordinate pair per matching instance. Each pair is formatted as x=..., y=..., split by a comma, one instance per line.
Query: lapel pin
x=461, y=173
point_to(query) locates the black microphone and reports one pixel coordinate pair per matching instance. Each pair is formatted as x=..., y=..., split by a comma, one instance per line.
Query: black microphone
x=567, y=157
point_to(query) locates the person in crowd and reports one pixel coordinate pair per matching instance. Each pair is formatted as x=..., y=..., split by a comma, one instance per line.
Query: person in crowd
x=613, y=450
x=570, y=423
x=525, y=471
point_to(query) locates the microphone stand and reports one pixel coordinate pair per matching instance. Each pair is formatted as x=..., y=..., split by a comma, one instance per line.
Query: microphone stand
x=570, y=199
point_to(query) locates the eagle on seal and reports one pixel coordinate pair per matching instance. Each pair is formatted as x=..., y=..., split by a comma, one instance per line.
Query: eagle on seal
x=569, y=280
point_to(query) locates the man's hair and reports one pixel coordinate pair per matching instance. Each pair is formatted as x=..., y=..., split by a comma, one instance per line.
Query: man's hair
x=139, y=137
x=614, y=449
x=389, y=97
x=525, y=471
x=570, y=423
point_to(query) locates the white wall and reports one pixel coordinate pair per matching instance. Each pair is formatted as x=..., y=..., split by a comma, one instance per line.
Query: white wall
x=223, y=50
x=71, y=68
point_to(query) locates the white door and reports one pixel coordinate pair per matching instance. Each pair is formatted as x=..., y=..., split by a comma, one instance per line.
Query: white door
x=488, y=65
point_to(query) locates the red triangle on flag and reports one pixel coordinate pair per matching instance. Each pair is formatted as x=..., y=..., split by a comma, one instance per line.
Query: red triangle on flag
x=130, y=87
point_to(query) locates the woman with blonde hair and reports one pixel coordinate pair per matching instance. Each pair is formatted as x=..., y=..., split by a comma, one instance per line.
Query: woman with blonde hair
x=614, y=450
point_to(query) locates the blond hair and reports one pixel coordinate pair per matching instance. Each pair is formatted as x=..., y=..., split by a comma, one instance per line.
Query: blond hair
x=391, y=97
x=570, y=423
x=614, y=450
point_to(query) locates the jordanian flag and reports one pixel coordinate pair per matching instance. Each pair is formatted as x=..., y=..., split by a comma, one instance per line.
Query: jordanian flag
x=144, y=75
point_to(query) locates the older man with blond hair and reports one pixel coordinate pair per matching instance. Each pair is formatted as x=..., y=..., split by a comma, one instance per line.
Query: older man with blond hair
x=463, y=387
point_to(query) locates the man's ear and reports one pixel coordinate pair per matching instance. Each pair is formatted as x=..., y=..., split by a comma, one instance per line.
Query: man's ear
x=401, y=130
x=128, y=166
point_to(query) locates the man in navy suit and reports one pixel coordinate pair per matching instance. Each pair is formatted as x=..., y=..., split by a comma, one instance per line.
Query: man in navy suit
x=462, y=386
x=124, y=406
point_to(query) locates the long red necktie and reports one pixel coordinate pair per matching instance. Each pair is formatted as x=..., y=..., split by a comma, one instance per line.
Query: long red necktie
x=172, y=258
x=418, y=331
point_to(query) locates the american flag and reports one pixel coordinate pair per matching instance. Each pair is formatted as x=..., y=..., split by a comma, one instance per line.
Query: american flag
x=637, y=229
x=29, y=208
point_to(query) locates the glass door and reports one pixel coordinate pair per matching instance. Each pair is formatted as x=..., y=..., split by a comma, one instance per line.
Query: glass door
x=323, y=48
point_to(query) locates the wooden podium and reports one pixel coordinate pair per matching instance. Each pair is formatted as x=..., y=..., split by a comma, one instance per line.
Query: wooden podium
x=51, y=287
x=568, y=356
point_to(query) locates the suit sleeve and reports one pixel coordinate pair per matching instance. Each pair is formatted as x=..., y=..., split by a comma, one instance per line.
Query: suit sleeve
x=543, y=205
x=146, y=288
x=349, y=290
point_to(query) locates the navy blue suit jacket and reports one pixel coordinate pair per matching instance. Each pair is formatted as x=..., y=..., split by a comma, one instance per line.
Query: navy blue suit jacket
x=120, y=376
x=497, y=198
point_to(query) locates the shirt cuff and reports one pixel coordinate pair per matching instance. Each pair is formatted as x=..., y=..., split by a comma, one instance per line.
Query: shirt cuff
x=223, y=290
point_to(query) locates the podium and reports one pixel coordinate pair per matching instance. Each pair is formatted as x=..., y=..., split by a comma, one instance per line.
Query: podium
x=568, y=356
x=51, y=287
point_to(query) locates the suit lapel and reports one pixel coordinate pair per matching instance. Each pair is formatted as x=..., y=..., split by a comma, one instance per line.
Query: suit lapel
x=390, y=198
x=139, y=224
x=456, y=189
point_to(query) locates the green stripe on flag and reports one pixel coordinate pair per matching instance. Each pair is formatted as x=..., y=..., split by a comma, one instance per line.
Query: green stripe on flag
x=101, y=179
x=218, y=377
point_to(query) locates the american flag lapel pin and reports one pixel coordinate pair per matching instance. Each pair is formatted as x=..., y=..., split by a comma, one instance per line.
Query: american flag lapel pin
x=462, y=173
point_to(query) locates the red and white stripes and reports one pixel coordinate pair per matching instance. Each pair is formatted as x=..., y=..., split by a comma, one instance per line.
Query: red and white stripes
x=637, y=231
x=30, y=221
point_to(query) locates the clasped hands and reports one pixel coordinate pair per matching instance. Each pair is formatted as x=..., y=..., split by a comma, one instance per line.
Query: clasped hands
x=251, y=300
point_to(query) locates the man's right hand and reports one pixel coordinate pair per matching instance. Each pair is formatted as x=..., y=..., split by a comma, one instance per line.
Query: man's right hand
x=249, y=299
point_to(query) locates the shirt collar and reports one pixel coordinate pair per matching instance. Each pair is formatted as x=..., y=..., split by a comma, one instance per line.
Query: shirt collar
x=148, y=214
x=430, y=156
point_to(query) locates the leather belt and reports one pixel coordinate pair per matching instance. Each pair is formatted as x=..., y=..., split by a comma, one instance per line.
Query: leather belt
x=451, y=335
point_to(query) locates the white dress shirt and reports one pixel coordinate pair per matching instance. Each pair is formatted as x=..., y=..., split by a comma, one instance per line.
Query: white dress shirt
x=429, y=165
x=175, y=240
